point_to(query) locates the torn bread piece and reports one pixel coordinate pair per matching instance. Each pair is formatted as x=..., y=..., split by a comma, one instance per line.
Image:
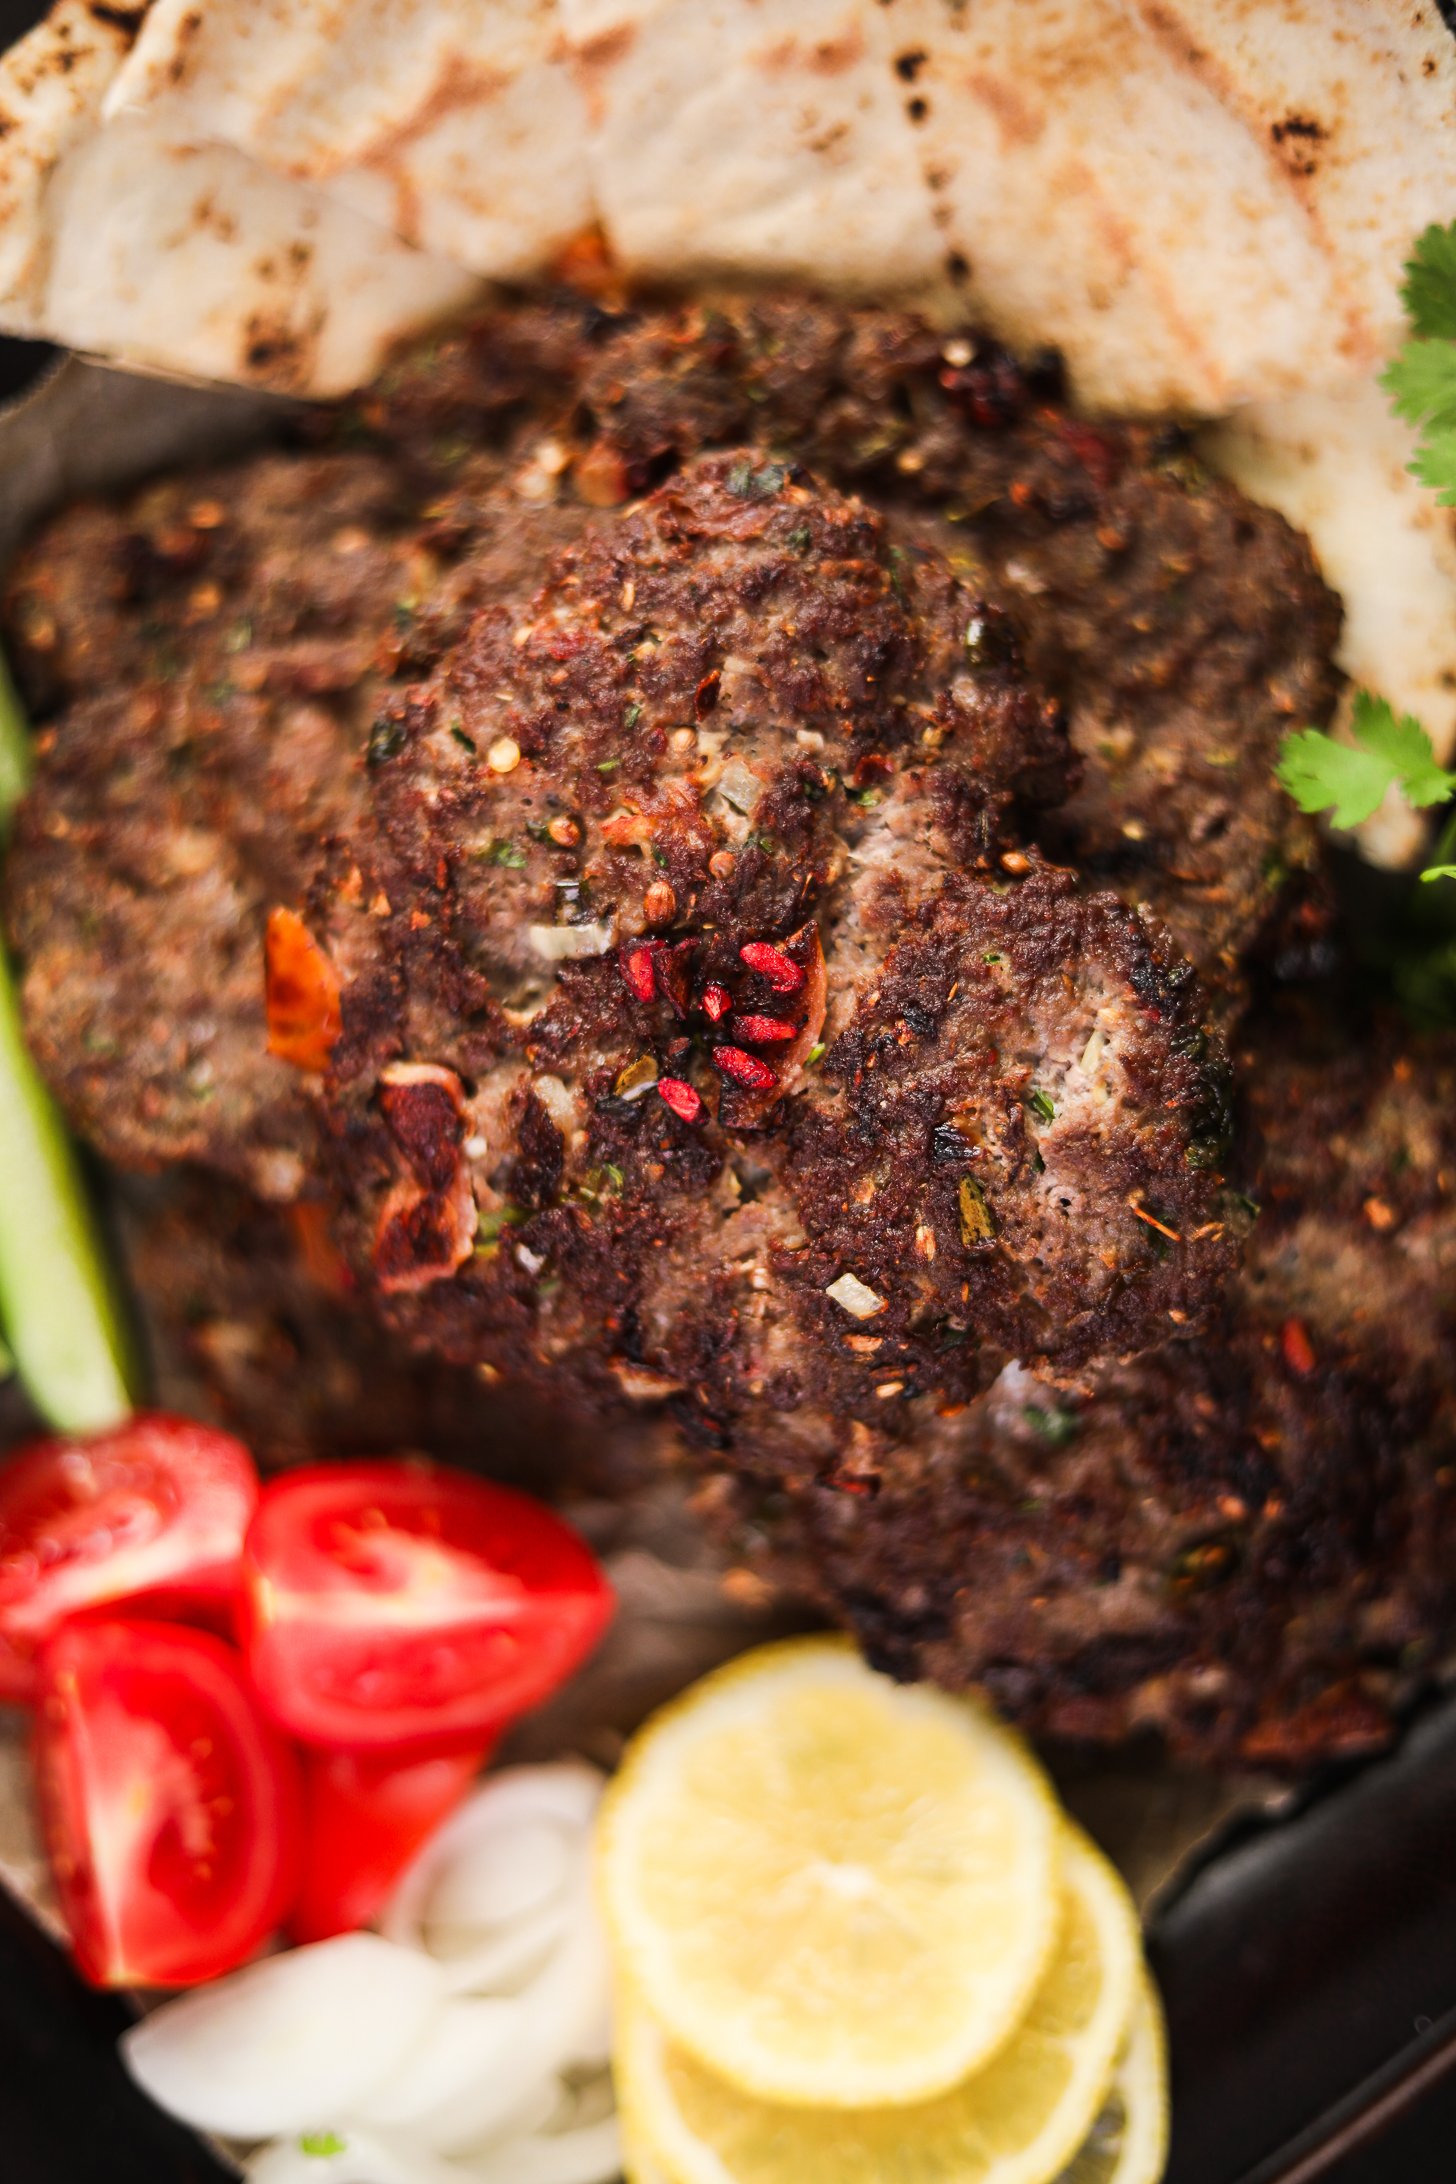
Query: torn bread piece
x=727, y=137
x=1337, y=465
x=167, y=255
x=457, y=125
x=1200, y=205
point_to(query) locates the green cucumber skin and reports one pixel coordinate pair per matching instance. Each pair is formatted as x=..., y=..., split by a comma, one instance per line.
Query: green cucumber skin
x=60, y=1317
x=14, y=748
x=61, y=1321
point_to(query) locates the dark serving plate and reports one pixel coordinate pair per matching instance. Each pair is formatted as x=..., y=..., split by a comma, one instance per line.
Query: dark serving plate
x=1308, y=1967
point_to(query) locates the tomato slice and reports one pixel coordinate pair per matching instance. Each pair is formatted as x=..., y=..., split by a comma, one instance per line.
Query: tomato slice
x=152, y=1512
x=170, y=1807
x=364, y=1819
x=397, y=1607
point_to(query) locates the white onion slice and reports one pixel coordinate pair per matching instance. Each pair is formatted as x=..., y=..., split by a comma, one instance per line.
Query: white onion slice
x=489, y=1916
x=530, y=1872
x=288, y=2043
x=472, y=2077
x=591, y=2154
x=569, y=2002
x=363, y=2159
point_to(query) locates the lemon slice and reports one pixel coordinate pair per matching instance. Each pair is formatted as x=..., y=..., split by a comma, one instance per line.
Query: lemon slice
x=1017, y=2121
x=1128, y=2144
x=832, y=1889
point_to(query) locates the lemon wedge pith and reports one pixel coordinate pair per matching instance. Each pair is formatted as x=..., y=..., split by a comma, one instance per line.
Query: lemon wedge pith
x=1019, y=2120
x=832, y=1890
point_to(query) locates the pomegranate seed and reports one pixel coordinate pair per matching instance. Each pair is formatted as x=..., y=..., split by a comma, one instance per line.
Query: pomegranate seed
x=1297, y=1347
x=782, y=973
x=745, y=1069
x=717, y=1001
x=681, y=1098
x=763, y=1030
x=638, y=972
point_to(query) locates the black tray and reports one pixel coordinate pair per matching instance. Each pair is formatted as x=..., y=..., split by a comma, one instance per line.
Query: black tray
x=1309, y=1968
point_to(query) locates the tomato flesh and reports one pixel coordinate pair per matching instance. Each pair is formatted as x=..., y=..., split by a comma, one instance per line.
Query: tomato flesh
x=170, y=1807
x=364, y=1819
x=397, y=1607
x=151, y=1513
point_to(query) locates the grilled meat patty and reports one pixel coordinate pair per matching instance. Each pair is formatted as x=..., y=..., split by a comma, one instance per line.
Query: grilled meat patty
x=1244, y=1543
x=676, y=737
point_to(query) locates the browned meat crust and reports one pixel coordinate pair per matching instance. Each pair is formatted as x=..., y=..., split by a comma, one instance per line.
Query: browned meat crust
x=1184, y=628
x=670, y=821
x=1246, y=1544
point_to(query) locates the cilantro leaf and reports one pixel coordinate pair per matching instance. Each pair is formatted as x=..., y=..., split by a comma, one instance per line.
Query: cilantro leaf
x=1421, y=382
x=1407, y=747
x=1322, y=775
x=1434, y=463
x=1349, y=780
x=1429, y=289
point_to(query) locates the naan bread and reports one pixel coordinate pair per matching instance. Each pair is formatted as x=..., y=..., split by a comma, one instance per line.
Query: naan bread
x=731, y=137
x=457, y=123
x=180, y=256
x=1201, y=202
x=1336, y=466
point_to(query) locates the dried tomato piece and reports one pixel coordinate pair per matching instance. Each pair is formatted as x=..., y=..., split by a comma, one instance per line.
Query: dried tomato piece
x=638, y=973
x=782, y=973
x=744, y=1069
x=763, y=1030
x=685, y=1103
x=1298, y=1349
x=301, y=992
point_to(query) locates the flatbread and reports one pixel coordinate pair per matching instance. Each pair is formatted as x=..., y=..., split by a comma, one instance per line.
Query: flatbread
x=730, y=137
x=1336, y=466
x=179, y=256
x=1201, y=202
x=455, y=123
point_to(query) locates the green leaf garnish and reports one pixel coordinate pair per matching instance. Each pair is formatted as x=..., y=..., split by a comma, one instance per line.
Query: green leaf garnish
x=1434, y=464
x=1351, y=780
x=1429, y=289
x=322, y=2143
x=1421, y=382
x=1439, y=872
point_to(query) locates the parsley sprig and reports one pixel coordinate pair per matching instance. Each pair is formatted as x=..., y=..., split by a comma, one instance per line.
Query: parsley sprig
x=1351, y=779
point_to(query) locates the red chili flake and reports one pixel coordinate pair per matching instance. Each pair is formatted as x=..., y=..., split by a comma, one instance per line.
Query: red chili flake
x=763, y=1030
x=1298, y=1349
x=638, y=972
x=744, y=1069
x=781, y=971
x=717, y=1001
x=681, y=1098
x=705, y=697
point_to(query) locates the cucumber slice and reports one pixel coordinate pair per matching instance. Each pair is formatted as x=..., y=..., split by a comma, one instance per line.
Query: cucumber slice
x=14, y=748
x=61, y=1321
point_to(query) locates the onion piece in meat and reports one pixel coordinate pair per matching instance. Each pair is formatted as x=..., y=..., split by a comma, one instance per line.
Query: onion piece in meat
x=570, y=943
